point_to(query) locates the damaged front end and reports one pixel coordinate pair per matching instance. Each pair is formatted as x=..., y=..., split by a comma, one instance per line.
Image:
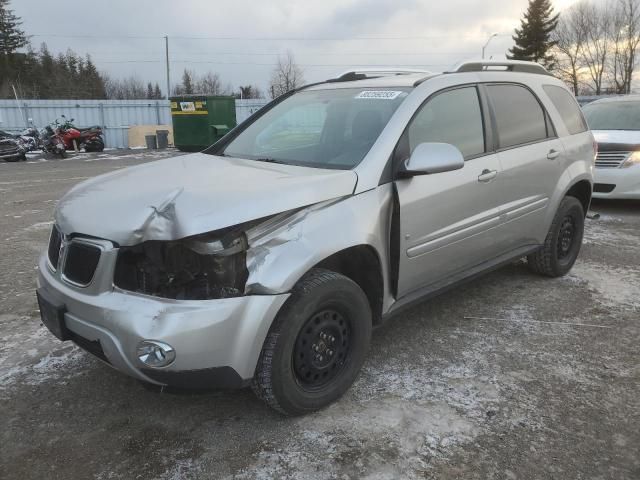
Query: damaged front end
x=202, y=267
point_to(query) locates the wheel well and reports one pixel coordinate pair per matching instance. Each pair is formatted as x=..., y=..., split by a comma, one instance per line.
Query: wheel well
x=362, y=265
x=581, y=191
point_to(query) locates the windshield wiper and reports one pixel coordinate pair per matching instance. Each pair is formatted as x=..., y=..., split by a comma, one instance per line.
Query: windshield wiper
x=269, y=160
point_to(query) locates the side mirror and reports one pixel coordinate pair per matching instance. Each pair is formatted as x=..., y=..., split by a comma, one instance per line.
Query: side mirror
x=428, y=158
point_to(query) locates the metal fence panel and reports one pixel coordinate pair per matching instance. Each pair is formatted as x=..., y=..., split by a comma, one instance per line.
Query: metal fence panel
x=246, y=108
x=115, y=116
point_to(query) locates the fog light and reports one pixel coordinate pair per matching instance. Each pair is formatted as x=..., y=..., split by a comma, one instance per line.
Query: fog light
x=155, y=354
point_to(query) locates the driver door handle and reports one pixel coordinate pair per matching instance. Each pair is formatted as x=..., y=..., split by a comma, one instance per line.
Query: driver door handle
x=553, y=154
x=487, y=175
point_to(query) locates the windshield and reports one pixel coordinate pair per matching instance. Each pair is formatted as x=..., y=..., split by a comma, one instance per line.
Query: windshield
x=319, y=128
x=623, y=115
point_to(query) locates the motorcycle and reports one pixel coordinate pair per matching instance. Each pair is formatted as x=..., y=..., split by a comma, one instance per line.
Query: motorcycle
x=10, y=149
x=76, y=138
x=30, y=139
x=52, y=141
x=26, y=143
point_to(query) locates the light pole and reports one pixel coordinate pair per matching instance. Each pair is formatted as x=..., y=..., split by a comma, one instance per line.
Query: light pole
x=487, y=44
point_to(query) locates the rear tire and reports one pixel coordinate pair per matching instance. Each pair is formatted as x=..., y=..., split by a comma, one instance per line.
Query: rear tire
x=316, y=346
x=563, y=242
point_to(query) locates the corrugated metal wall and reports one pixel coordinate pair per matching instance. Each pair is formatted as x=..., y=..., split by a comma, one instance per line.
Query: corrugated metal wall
x=246, y=108
x=115, y=116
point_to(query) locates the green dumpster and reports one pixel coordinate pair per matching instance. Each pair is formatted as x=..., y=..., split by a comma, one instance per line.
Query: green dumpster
x=200, y=120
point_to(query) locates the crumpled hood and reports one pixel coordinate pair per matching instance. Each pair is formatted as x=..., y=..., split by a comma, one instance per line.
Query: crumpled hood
x=192, y=194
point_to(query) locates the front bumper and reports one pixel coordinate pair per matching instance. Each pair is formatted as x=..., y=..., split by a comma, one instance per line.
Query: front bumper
x=626, y=181
x=217, y=342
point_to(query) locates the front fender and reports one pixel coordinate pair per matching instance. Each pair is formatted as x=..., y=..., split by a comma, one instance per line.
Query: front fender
x=277, y=259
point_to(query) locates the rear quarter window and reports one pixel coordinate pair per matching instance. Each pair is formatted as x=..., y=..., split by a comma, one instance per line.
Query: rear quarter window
x=568, y=109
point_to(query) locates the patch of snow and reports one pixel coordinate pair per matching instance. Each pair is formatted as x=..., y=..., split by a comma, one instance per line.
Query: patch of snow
x=384, y=438
x=39, y=226
x=614, y=286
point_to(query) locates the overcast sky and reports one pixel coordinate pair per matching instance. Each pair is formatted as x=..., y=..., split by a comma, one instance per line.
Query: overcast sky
x=244, y=38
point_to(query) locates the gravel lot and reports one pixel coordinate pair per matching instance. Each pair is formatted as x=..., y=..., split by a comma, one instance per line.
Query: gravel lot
x=542, y=382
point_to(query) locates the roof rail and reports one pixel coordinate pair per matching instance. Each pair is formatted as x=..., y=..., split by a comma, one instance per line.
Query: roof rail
x=364, y=73
x=499, y=65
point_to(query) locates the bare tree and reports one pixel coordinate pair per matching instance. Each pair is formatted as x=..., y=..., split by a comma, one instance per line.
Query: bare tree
x=597, y=45
x=570, y=37
x=209, y=84
x=250, y=91
x=286, y=76
x=625, y=40
x=130, y=88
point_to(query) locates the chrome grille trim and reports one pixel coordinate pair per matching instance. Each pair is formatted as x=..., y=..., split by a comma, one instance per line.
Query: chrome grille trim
x=611, y=159
x=103, y=268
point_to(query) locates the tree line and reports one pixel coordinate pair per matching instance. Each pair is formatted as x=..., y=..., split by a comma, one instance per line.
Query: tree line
x=597, y=46
x=592, y=46
x=39, y=74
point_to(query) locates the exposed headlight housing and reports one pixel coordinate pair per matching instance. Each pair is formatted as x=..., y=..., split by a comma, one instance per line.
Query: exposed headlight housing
x=634, y=159
x=201, y=267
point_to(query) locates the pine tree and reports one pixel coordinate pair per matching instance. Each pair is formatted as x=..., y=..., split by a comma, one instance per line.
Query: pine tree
x=94, y=80
x=187, y=82
x=149, y=91
x=157, y=93
x=12, y=37
x=533, y=38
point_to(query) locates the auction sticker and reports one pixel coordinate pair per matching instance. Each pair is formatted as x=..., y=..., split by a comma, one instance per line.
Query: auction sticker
x=379, y=94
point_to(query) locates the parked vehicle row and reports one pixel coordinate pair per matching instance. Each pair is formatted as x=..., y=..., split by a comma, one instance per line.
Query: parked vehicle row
x=267, y=259
x=54, y=139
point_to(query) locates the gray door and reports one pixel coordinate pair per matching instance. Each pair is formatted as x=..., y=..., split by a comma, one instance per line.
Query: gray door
x=531, y=158
x=448, y=221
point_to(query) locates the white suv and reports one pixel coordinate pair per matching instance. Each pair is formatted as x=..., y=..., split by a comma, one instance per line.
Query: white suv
x=267, y=259
x=616, y=126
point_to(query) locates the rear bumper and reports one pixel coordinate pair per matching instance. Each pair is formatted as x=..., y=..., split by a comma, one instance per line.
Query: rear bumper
x=217, y=342
x=626, y=182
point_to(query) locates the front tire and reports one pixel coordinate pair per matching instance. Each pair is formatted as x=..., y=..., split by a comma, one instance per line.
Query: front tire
x=316, y=346
x=563, y=242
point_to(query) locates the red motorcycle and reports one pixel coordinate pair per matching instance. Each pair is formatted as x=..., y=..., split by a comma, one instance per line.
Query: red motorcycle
x=52, y=142
x=76, y=138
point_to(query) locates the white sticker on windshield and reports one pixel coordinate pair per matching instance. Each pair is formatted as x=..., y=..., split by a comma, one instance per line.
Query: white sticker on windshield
x=379, y=94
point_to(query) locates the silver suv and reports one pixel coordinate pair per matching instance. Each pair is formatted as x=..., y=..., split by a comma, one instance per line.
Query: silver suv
x=267, y=259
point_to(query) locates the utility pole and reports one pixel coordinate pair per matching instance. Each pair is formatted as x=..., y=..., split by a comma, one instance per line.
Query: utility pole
x=166, y=49
x=26, y=121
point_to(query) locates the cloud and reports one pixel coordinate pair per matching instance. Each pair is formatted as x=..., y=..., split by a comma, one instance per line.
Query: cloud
x=442, y=33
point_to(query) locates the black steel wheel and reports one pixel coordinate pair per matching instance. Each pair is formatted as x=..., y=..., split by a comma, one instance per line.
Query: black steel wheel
x=322, y=349
x=316, y=346
x=566, y=236
x=563, y=242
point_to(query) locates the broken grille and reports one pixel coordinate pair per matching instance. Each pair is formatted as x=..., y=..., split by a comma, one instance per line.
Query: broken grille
x=611, y=159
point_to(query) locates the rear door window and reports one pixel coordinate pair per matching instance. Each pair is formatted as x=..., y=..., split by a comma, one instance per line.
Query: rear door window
x=519, y=116
x=568, y=108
